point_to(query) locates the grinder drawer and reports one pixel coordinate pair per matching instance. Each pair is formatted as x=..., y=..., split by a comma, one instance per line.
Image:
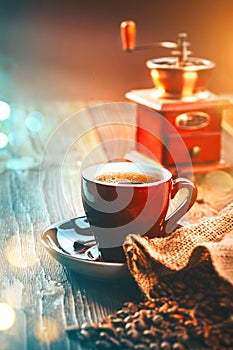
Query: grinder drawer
x=201, y=147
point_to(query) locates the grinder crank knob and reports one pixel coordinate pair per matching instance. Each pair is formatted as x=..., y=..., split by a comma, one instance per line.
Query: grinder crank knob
x=128, y=35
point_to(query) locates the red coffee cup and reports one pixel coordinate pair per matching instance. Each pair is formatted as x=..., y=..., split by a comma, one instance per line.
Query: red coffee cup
x=116, y=209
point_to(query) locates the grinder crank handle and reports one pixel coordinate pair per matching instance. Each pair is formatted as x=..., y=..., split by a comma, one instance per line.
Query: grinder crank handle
x=128, y=38
x=128, y=35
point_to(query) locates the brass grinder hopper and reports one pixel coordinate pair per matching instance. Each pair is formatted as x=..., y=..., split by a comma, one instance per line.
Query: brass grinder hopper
x=176, y=76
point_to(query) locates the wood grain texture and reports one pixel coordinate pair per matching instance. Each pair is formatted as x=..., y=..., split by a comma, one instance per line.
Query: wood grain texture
x=45, y=296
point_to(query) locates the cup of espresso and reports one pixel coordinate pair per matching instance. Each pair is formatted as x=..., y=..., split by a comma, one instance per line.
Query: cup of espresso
x=123, y=197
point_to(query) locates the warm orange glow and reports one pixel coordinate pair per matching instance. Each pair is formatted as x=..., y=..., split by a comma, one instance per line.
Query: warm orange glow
x=189, y=81
x=202, y=95
x=156, y=79
x=157, y=93
x=189, y=98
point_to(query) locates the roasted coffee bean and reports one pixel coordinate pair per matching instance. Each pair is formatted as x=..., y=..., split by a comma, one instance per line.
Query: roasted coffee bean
x=170, y=336
x=157, y=319
x=119, y=331
x=154, y=346
x=84, y=334
x=177, y=317
x=182, y=337
x=129, y=326
x=118, y=322
x=140, y=347
x=126, y=344
x=103, y=335
x=164, y=308
x=178, y=346
x=132, y=308
x=133, y=335
x=153, y=294
x=129, y=318
x=150, y=333
x=140, y=325
x=114, y=342
x=149, y=304
x=103, y=345
x=165, y=345
x=107, y=328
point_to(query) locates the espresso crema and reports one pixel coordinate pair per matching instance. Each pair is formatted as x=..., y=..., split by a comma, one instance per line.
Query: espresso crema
x=126, y=177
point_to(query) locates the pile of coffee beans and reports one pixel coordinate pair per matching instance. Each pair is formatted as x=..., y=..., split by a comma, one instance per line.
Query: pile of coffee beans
x=192, y=309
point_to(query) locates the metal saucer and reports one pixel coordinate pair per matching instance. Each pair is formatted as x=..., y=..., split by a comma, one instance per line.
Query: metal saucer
x=72, y=244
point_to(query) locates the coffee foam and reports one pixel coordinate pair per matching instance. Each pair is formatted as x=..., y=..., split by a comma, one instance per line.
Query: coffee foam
x=126, y=177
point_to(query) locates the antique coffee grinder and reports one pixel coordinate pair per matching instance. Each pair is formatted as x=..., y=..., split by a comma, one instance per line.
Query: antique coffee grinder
x=181, y=97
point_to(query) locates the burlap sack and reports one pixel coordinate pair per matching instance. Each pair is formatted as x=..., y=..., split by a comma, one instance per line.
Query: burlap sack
x=210, y=237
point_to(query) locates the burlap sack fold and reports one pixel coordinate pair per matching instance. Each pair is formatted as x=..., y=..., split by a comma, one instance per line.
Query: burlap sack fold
x=148, y=258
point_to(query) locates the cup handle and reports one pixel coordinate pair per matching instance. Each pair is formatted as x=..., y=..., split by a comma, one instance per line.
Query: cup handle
x=171, y=221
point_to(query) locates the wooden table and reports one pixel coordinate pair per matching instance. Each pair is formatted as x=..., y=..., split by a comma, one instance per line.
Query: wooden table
x=39, y=185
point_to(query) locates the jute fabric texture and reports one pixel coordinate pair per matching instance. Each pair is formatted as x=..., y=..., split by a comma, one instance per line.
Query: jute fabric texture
x=208, y=238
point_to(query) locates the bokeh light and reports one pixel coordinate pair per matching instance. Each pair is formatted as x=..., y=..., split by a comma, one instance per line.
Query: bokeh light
x=15, y=139
x=21, y=163
x=5, y=110
x=19, y=251
x=34, y=121
x=7, y=316
x=13, y=294
x=3, y=140
x=48, y=330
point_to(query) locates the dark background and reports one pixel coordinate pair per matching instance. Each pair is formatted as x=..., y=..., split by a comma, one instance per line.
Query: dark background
x=72, y=49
